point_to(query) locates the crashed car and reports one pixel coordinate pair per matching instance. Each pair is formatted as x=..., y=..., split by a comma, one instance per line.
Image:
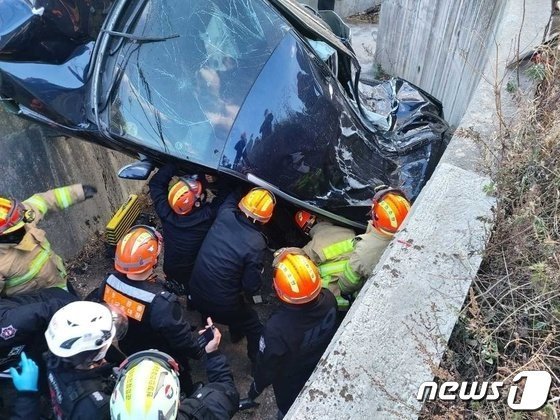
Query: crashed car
x=265, y=92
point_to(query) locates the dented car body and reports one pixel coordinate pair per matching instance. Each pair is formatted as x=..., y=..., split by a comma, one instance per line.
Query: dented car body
x=262, y=91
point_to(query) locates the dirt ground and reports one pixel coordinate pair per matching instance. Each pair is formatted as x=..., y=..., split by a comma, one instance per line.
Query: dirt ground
x=93, y=263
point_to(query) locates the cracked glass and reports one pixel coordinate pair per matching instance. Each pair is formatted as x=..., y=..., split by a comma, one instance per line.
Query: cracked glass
x=179, y=85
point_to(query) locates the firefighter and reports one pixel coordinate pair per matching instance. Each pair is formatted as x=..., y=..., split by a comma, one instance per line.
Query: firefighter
x=27, y=261
x=344, y=262
x=216, y=400
x=296, y=334
x=185, y=219
x=230, y=264
x=156, y=318
x=23, y=320
x=329, y=247
x=80, y=379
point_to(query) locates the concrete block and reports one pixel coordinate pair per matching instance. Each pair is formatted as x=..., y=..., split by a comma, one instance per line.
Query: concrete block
x=399, y=326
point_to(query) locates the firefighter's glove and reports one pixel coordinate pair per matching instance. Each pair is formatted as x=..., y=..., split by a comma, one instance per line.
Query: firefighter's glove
x=89, y=191
x=28, y=378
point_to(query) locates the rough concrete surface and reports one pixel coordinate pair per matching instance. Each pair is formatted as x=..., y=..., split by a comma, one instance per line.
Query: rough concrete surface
x=346, y=8
x=34, y=160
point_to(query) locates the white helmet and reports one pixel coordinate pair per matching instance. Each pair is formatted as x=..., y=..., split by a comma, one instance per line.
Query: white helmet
x=81, y=327
x=147, y=388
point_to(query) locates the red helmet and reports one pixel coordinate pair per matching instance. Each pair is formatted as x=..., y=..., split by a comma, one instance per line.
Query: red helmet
x=138, y=251
x=184, y=195
x=12, y=215
x=388, y=210
x=296, y=279
x=305, y=220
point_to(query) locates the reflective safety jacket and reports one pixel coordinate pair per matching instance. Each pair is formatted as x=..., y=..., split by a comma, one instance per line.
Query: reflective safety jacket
x=329, y=242
x=293, y=341
x=32, y=263
x=156, y=320
x=368, y=249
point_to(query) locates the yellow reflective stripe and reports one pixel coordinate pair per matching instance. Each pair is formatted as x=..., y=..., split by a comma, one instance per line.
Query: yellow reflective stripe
x=34, y=268
x=325, y=281
x=350, y=274
x=38, y=202
x=63, y=197
x=342, y=303
x=330, y=268
x=338, y=249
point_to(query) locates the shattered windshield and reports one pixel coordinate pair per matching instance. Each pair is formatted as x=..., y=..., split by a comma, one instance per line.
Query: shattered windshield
x=181, y=95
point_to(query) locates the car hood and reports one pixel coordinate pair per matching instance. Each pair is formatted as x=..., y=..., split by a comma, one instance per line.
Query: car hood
x=298, y=134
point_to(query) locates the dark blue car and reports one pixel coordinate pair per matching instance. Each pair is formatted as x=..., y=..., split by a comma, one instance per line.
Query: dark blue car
x=262, y=91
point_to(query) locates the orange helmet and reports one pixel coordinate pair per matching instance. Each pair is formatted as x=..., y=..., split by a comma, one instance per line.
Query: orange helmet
x=258, y=204
x=138, y=250
x=12, y=215
x=305, y=220
x=388, y=210
x=296, y=279
x=184, y=195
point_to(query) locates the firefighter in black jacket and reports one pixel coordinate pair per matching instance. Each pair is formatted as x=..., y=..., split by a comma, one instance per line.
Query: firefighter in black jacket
x=23, y=320
x=230, y=263
x=156, y=318
x=297, y=333
x=185, y=219
x=216, y=400
x=80, y=380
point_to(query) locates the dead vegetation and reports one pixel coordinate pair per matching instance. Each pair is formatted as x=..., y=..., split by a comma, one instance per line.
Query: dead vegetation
x=511, y=319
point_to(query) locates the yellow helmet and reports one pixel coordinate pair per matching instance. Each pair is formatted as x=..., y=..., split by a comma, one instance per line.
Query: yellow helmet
x=258, y=204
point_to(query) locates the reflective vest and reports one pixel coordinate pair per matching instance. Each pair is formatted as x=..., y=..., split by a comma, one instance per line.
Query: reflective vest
x=133, y=301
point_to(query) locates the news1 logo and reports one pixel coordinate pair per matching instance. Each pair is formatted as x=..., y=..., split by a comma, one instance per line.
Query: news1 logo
x=532, y=397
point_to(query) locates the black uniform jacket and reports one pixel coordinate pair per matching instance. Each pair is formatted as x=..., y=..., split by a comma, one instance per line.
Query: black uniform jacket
x=230, y=260
x=23, y=321
x=218, y=399
x=183, y=234
x=156, y=319
x=294, y=339
x=79, y=394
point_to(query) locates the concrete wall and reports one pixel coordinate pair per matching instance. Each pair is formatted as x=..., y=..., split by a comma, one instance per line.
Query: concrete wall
x=31, y=162
x=440, y=45
x=346, y=8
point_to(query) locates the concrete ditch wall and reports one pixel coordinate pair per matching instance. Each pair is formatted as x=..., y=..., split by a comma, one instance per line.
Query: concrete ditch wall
x=346, y=8
x=32, y=162
x=440, y=45
x=397, y=331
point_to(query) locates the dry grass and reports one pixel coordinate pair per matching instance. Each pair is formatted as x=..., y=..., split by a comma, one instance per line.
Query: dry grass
x=511, y=319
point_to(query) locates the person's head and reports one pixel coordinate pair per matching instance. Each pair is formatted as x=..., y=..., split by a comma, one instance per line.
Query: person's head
x=305, y=220
x=147, y=387
x=185, y=195
x=258, y=205
x=81, y=332
x=138, y=251
x=388, y=210
x=13, y=217
x=296, y=278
